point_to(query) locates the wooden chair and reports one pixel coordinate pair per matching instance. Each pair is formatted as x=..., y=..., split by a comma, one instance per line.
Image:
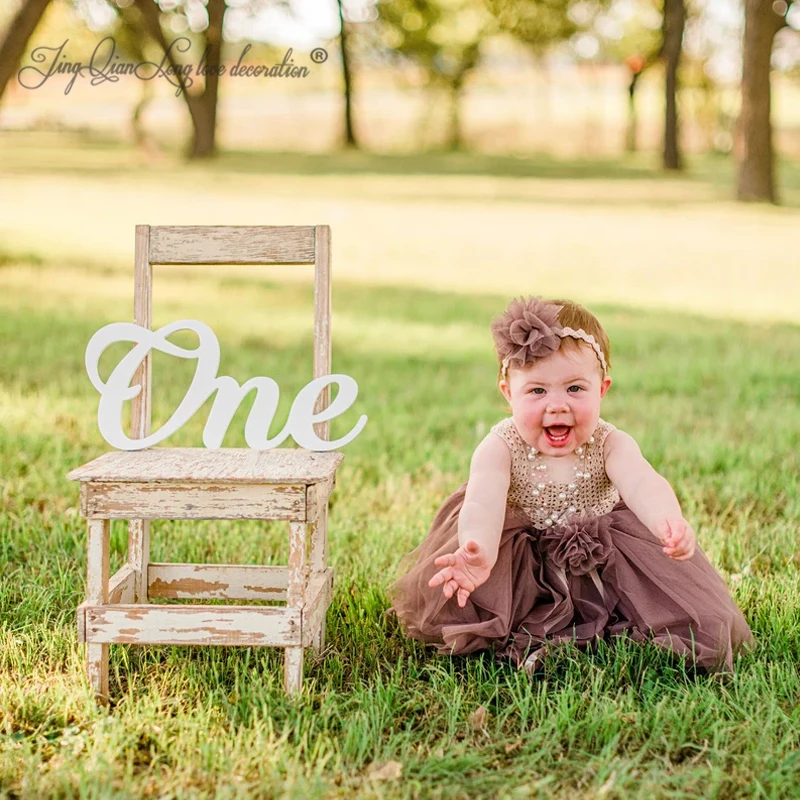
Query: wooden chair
x=196, y=483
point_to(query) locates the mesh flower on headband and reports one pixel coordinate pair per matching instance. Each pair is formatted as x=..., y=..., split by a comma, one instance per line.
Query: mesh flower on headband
x=527, y=330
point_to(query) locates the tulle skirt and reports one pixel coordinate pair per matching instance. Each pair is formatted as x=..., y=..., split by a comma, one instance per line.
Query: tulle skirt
x=595, y=579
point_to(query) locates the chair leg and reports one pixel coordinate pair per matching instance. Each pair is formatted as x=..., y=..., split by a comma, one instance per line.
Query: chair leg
x=319, y=561
x=318, y=639
x=296, y=598
x=97, y=595
x=97, y=671
x=293, y=670
x=319, y=541
x=139, y=556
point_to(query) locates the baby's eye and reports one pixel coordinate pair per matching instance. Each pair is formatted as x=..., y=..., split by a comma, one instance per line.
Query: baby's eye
x=536, y=390
x=577, y=388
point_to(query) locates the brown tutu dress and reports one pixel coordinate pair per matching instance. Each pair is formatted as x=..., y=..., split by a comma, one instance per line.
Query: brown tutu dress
x=603, y=574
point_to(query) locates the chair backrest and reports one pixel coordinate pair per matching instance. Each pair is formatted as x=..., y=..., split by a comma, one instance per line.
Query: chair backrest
x=233, y=245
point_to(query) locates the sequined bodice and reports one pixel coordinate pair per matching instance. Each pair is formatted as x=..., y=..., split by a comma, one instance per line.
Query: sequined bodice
x=594, y=494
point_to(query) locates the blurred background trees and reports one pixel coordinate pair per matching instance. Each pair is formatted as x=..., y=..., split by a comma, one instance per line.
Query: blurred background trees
x=714, y=61
x=19, y=31
x=202, y=105
x=443, y=38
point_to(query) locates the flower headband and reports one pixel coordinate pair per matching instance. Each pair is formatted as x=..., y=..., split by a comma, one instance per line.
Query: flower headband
x=529, y=329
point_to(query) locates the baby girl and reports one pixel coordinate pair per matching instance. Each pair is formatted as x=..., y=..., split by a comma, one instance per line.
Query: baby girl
x=564, y=531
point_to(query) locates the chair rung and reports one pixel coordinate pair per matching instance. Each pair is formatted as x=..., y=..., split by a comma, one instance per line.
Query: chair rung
x=121, y=585
x=205, y=625
x=217, y=581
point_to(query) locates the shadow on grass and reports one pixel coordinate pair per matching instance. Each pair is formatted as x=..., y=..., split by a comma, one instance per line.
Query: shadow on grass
x=87, y=152
x=367, y=653
x=432, y=163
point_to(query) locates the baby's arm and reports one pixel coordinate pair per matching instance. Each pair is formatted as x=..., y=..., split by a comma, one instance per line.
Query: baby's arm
x=484, y=509
x=644, y=491
x=480, y=523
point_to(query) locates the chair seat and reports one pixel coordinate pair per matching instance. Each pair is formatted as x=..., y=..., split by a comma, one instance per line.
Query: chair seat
x=283, y=466
x=197, y=483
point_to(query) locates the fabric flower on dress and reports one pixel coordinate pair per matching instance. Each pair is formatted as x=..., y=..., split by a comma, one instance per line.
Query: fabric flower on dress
x=577, y=547
x=527, y=330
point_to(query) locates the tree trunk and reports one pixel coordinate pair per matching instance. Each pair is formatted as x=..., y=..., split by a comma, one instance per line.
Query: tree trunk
x=674, y=23
x=543, y=100
x=454, y=141
x=140, y=137
x=16, y=39
x=204, y=144
x=349, y=136
x=631, y=130
x=203, y=106
x=130, y=37
x=755, y=179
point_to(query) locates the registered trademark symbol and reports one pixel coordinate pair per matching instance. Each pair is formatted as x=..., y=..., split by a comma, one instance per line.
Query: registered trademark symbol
x=319, y=55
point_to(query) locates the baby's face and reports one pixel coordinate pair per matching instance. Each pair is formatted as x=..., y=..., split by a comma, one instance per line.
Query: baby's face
x=556, y=401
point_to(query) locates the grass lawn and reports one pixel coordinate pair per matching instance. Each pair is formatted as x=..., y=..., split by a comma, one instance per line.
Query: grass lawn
x=699, y=299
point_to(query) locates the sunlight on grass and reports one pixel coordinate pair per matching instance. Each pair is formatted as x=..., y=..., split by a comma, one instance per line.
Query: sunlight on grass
x=223, y=304
x=672, y=243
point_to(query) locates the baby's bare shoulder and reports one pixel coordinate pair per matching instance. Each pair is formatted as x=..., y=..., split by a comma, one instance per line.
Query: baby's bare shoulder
x=491, y=459
x=623, y=457
x=619, y=441
x=490, y=470
x=493, y=450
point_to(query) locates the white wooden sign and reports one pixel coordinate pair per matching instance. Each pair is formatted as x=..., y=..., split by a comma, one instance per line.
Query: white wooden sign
x=117, y=390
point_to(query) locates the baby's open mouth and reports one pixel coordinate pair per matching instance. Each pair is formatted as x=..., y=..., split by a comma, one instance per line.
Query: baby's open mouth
x=557, y=435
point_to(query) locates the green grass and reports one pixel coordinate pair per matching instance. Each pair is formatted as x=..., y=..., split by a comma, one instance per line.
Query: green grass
x=711, y=399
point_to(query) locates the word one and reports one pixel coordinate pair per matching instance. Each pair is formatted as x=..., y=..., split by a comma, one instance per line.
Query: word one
x=117, y=390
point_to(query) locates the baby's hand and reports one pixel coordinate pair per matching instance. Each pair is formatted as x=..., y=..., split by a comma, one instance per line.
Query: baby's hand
x=678, y=537
x=464, y=571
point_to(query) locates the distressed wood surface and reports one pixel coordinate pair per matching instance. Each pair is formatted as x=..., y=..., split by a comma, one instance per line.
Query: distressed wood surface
x=318, y=598
x=142, y=315
x=139, y=529
x=322, y=322
x=82, y=622
x=319, y=538
x=317, y=498
x=121, y=588
x=297, y=568
x=97, y=594
x=196, y=483
x=167, y=500
x=226, y=465
x=319, y=562
x=222, y=581
x=138, y=554
x=202, y=625
x=295, y=598
x=293, y=670
x=232, y=244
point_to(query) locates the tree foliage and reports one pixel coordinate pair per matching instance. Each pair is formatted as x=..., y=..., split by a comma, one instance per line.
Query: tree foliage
x=442, y=37
x=540, y=24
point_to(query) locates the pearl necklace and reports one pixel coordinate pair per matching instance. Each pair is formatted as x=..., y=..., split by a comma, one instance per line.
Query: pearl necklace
x=567, y=498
